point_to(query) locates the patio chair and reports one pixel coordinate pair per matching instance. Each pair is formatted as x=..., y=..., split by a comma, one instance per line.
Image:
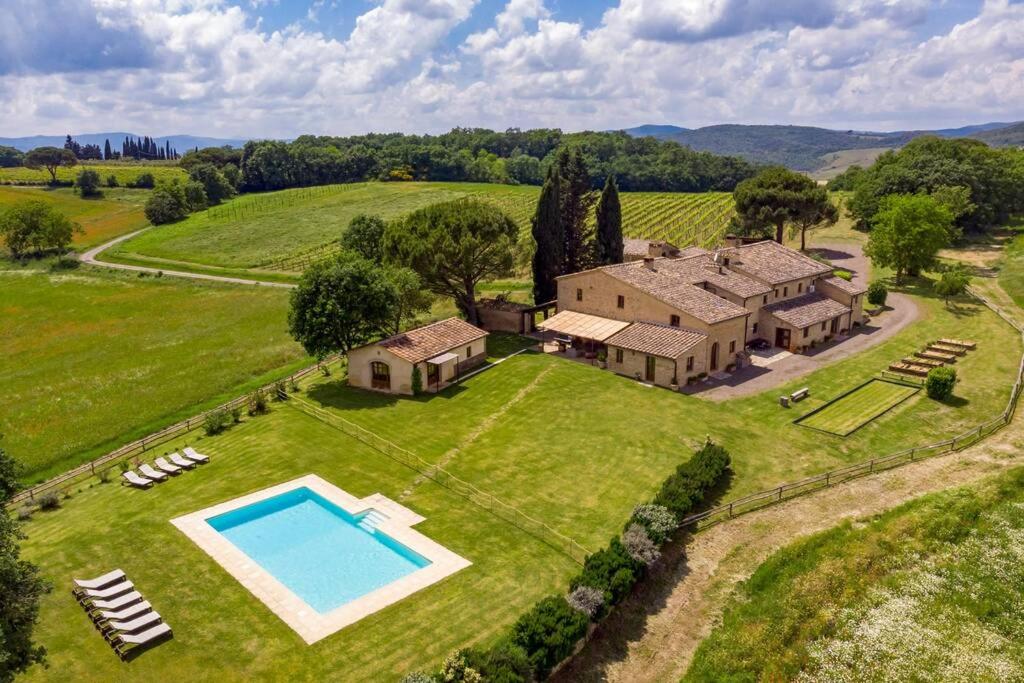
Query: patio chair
x=129, y=612
x=122, y=641
x=166, y=466
x=115, y=604
x=132, y=479
x=140, y=623
x=191, y=454
x=99, y=582
x=106, y=593
x=148, y=470
x=180, y=461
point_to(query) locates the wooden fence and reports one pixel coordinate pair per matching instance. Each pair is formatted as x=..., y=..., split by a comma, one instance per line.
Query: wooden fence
x=762, y=499
x=140, y=446
x=438, y=474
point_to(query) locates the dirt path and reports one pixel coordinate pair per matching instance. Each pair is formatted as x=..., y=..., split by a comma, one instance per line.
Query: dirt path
x=654, y=636
x=901, y=311
x=90, y=258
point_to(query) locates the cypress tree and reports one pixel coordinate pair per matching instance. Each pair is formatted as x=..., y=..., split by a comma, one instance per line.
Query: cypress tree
x=609, y=246
x=577, y=202
x=548, y=238
x=108, y=154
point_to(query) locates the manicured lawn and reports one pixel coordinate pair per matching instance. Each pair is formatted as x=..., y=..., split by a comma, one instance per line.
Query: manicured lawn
x=117, y=212
x=930, y=591
x=854, y=410
x=93, y=359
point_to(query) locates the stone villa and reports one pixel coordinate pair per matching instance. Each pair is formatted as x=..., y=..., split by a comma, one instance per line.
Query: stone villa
x=668, y=320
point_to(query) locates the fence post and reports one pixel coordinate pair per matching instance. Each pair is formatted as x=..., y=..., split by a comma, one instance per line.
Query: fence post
x=730, y=510
x=780, y=493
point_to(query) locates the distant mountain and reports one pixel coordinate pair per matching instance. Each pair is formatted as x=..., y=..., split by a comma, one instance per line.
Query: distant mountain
x=655, y=131
x=807, y=148
x=182, y=143
x=1007, y=136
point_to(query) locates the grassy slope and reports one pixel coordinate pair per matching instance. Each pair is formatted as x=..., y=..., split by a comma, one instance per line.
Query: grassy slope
x=91, y=358
x=1011, y=272
x=928, y=591
x=117, y=212
x=126, y=173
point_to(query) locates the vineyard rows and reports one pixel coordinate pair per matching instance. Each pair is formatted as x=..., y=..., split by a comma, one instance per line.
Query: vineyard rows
x=683, y=219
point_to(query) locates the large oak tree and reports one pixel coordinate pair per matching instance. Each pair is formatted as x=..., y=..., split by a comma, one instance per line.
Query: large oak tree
x=452, y=246
x=907, y=233
x=50, y=158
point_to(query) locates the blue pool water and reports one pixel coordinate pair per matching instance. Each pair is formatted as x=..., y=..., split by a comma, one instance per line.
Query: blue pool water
x=316, y=549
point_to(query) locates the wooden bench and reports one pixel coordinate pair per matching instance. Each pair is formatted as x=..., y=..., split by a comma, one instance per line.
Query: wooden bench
x=800, y=395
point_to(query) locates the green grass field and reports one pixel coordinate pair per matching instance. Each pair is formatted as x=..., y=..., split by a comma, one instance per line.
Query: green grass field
x=930, y=591
x=854, y=410
x=124, y=172
x=283, y=231
x=119, y=210
x=92, y=359
x=1011, y=268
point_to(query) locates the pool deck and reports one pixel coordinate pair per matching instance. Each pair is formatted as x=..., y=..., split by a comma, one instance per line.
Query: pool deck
x=306, y=621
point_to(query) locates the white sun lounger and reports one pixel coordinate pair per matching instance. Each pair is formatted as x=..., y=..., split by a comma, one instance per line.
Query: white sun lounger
x=180, y=461
x=191, y=454
x=166, y=466
x=148, y=470
x=135, y=480
x=121, y=642
x=107, y=579
x=129, y=612
x=105, y=593
x=117, y=603
x=138, y=624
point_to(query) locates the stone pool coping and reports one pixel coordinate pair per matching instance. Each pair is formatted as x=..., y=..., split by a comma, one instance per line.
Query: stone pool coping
x=303, y=619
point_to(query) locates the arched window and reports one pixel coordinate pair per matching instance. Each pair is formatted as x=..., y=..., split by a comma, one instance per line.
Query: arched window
x=380, y=375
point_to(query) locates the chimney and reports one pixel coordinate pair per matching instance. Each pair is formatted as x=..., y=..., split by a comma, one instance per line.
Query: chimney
x=649, y=263
x=732, y=241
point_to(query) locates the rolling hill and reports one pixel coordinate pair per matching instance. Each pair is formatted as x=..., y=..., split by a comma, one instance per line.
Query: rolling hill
x=1007, y=136
x=182, y=143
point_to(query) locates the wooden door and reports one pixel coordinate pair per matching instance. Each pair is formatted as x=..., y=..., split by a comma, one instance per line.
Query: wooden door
x=714, y=357
x=782, y=337
x=649, y=370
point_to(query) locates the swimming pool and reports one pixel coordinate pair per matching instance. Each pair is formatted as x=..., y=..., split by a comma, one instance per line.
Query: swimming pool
x=317, y=556
x=323, y=554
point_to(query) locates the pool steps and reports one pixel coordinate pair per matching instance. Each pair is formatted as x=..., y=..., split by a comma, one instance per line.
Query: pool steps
x=371, y=521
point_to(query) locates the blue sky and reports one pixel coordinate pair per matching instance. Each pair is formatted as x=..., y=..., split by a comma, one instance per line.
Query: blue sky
x=280, y=68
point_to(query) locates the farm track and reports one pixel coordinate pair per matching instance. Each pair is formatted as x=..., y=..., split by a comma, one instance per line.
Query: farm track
x=91, y=255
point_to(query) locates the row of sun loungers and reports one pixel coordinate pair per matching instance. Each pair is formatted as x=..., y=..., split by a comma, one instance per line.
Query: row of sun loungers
x=162, y=468
x=119, y=612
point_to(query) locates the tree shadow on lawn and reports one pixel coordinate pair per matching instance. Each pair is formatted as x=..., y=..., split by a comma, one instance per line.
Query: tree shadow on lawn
x=923, y=287
x=627, y=624
x=339, y=395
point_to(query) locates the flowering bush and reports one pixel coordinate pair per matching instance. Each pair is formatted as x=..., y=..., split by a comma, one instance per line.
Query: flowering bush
x=586, y=599
x=639, y=545
x=657, y=519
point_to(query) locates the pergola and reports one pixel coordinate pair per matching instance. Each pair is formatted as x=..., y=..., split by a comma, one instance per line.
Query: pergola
x=573, y=326
x=436, y=366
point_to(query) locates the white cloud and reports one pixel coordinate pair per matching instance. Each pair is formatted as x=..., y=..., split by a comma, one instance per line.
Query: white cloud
x=208, y=66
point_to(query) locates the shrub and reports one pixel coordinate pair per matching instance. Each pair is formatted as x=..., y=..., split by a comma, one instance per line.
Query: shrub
x=103, y=475
x=456, y=668
x=610, y=570
x=124, y=465
x=195, y=196
x=280, y=391
x=548, y=633
x=216, y=421
x=145, y=181
x=657, y=519
x=640, y=546
x=112, y=180
x=417, y=380
x=88, y=183
x=24, y=512
x=258, y=402
x=685, y=488
x=877, y=294
x=236, y=414
x=418, y=677
x=49, y=501
x=505, y=662
x=166, y=204
x=940, y=383
x=843, y=274
x=587, y=599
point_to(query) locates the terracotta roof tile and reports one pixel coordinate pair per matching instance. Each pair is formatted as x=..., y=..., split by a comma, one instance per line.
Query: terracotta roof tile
x=806, y=310
x=672, y=284
x=845, y=285
x=656, y=340
x=425, y=342
x=773, y=263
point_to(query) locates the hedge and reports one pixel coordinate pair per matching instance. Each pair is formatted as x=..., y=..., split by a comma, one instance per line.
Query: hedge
x=548, y=633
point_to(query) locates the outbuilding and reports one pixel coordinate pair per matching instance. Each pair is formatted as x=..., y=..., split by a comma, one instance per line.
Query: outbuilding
x=442, y=351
